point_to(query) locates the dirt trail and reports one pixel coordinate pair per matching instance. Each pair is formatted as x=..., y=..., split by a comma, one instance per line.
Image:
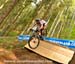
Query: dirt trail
x=22, y=56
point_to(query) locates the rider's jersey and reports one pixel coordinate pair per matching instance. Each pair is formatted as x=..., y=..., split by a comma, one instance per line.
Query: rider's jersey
x=43, y=22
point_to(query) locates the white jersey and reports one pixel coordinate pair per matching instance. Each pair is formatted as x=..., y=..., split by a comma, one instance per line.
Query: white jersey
x=43, y=22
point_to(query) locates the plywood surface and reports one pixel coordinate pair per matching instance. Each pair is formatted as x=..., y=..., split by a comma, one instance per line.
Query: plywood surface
x=53, y=51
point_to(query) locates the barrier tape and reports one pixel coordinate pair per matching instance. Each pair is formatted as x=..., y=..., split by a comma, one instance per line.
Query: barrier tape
x=64, y=42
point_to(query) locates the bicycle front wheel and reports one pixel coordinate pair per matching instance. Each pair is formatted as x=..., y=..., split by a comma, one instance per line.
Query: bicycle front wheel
x=33, y=42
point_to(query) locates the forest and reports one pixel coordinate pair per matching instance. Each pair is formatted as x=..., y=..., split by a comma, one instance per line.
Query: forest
x=17, y=16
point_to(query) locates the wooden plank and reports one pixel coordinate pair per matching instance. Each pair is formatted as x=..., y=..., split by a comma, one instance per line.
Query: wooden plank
x=53, y=51
x=73, y=60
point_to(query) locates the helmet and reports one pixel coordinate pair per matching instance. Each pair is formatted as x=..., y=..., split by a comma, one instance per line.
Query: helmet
x=37, y=19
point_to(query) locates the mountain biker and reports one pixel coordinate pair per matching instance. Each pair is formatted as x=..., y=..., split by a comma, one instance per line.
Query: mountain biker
x=41, y=25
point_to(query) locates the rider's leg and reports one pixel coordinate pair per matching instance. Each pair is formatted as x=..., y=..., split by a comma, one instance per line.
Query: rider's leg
x=40, y=34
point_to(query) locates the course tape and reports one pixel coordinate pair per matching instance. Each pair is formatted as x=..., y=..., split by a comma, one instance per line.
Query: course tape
x=64, y=42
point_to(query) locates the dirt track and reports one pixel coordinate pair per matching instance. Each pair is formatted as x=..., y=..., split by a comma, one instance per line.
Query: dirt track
x=22, y=56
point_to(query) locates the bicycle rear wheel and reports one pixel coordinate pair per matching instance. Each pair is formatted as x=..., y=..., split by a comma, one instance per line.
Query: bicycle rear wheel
x=33, y=42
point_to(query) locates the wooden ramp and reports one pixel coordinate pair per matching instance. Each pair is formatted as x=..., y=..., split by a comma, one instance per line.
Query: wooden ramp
x=53, y=51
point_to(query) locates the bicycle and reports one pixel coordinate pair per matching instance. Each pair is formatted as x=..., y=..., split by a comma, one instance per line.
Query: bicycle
x=34, y=39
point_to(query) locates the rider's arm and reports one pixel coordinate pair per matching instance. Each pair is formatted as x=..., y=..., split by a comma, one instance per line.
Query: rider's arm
x=41, y=27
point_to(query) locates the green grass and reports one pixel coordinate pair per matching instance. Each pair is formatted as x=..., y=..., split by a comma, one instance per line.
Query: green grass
x=7, y=42
x=7, y=39
x=12, y=33
x=11, y=43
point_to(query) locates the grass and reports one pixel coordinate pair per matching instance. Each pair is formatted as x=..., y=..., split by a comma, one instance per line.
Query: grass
x=7, y=39
x=11, y=43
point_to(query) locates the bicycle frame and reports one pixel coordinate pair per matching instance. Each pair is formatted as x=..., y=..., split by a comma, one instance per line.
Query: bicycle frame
x=34, y=33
